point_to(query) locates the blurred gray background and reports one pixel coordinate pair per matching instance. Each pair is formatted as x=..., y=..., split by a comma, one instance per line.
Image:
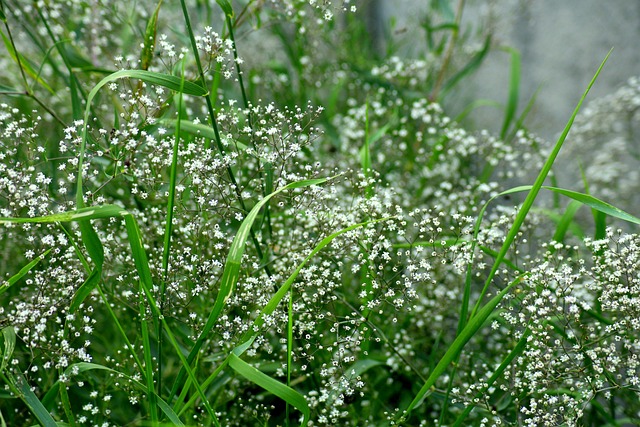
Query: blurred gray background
x=562, y=42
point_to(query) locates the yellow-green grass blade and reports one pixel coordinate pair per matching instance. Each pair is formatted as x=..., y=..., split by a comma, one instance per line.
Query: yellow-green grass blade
x=24, y=270
x=273, y=386
x=231, y=272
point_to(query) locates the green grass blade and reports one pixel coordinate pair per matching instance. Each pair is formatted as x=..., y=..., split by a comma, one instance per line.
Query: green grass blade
x=94, y=212
x=231, y=271
x=275, y=387
x=24, y=270
x=533, y=193
x=514, y=87
x=226, y=7
x=146, y=55
x=584, y=199
x=564, y=224
x=468, y=69
x=275, y=300
x=85, y=289
x=170, y=82
x=519, y=348
x=22, y=62
x=31, y=400
x=198, y=129
x=269, y=308
x=8, y=345
x=474, y=324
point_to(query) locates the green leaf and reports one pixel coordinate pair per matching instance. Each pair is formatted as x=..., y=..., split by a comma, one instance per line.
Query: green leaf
x=92, y=242
x=226, y=7
x=146, y=55
x=24, y=270
x=8, y=345
x=85, y=289
x=275, y=387
x=585, y=199
x=566, y=220
x=93, y=212
x=32, y=401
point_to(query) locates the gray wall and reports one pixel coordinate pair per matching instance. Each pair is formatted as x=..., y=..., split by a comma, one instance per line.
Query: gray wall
x=562, y=42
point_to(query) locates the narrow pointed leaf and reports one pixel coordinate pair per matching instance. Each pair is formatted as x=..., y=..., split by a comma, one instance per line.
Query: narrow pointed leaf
x=32, y=401
x=24, y=270
x=8, y=345
x=150, y=39
x=467, y=333
x=273, y=386
x=226, y=7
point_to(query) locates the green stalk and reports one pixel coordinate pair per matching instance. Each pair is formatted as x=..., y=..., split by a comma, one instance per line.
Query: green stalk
x=289, y=349
x=168, y=231
x=214, y=125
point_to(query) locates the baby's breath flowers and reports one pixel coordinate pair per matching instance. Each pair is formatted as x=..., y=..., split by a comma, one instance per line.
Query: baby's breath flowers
x=345, y=288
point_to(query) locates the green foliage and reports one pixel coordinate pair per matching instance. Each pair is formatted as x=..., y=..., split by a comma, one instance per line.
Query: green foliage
x=306, y=238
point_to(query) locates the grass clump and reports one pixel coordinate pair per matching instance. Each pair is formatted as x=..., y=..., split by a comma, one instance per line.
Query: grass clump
x=242, y=213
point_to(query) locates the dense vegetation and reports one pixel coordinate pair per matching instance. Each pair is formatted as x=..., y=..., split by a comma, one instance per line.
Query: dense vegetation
x=263, y=213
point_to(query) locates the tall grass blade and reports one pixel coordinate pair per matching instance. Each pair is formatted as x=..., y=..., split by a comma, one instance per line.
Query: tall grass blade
x=231, y=271
x=533, y=193
x=226, y=7
x=275, y=387
x=146, y=55
x=249, y=336
x=31, y=400
x=22, y=62
x=514, y=88
x=566, y=220
x=519, y=348
x=468, y=69
x=451, y=354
